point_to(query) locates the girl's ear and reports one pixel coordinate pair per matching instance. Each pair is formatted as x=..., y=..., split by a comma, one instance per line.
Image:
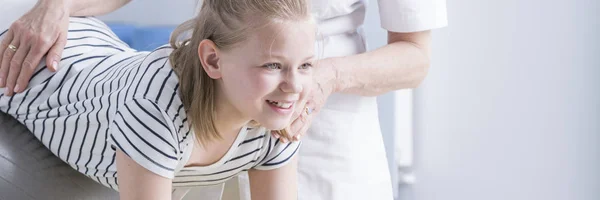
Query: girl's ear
x=209, y=57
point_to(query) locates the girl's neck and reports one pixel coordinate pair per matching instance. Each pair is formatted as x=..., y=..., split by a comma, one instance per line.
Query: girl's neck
x=228, y=123
x=228, y=120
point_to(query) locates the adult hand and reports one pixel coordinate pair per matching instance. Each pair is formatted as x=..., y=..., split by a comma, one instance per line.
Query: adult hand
x=324, y=85
x=41, y=31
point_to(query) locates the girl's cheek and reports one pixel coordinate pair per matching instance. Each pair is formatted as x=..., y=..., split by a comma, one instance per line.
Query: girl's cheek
x=265, y=83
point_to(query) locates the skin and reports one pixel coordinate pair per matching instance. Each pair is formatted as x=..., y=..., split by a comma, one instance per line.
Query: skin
x=273, y=64
x=42, y=32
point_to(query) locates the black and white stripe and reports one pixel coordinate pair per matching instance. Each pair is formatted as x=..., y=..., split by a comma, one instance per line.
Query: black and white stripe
x=107, y=96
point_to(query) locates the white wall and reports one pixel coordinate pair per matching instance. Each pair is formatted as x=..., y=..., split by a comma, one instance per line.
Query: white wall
x=154, y=12
x=511, y=107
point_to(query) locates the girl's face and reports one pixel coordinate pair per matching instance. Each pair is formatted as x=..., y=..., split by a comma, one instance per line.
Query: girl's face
x=266, y=77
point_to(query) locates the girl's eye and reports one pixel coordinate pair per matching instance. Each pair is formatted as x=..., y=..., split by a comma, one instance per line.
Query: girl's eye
x=306, y=66
x=272, y=66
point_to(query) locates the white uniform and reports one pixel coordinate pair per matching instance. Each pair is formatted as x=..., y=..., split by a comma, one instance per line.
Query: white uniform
x=343, y=155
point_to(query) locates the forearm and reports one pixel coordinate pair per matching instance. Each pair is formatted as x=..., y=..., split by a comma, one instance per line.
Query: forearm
x=86, y=7
x=95, y=7
x=276, y=184
x=401, y=64
x=136, y=182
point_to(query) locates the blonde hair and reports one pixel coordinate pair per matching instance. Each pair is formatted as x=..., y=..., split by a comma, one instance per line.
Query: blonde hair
x=226, y=23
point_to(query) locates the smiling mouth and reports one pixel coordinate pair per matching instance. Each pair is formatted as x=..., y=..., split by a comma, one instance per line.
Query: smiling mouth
x=280, y=104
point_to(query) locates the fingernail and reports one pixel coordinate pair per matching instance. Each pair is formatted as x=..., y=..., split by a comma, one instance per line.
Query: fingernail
x=54, y=65
x=276, y=136
x=16, y=88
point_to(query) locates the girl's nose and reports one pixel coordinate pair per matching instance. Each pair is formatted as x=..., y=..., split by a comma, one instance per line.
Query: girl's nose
x=291, y=82
x=291, y=87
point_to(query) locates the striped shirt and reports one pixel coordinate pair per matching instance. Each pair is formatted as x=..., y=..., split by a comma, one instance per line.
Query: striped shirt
x=107, y=96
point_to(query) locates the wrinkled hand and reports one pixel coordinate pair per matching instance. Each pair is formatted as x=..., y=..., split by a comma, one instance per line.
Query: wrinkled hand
x=323, y=86
x=41, y=31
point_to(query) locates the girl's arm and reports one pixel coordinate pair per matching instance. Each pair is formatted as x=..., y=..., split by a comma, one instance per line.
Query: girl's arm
x=136, y=182
x=275, y=184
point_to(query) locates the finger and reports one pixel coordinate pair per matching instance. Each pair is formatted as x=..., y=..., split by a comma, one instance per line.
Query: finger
x=285, y=136
x=275, y=134
x=299, y=122
x=288, y=133
x=55, y=53
x=297, y=111
x=27, y=69
x=313, y=106
x=5, y=58
x=283, y=140
x=297, y=137
x=14, y=70
x=304, y=122
x=303, y=130
x=30, y=62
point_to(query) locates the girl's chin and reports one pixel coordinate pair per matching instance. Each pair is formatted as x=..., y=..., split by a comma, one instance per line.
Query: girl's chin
x=275, y=125
x=274, y=122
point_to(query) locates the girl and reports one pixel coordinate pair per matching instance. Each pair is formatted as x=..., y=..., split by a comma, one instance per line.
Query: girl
x=183, y=115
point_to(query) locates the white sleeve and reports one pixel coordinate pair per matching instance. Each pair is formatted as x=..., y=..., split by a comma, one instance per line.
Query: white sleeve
x=140, y=130
x=412, y=15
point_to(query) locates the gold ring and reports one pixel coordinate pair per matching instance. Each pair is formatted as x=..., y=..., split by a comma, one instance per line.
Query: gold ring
x=12, y=47
x=307, y=110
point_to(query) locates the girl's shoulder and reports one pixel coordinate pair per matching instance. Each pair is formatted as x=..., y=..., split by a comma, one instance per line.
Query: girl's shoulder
x=157, y=82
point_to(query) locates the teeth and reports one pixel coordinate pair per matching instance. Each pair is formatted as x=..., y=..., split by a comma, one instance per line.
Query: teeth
x=281, y=105
x=284, y=105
